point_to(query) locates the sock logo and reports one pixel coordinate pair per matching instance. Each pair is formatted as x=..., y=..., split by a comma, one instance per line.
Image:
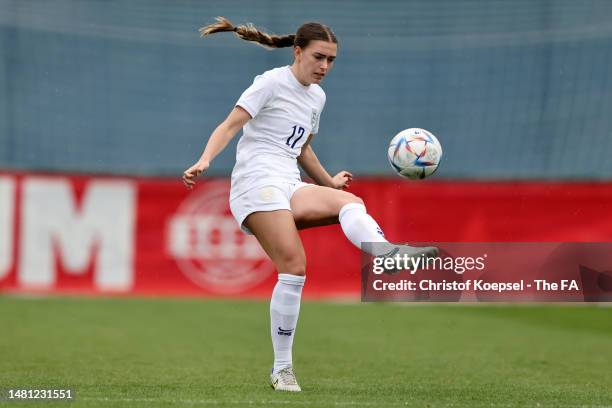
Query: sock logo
x=284, y=332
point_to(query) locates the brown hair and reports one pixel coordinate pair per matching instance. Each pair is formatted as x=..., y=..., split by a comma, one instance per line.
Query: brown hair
x=307, y=32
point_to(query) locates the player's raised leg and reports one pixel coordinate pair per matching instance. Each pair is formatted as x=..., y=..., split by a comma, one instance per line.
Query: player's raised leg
x=317, y=205
x=277, y=234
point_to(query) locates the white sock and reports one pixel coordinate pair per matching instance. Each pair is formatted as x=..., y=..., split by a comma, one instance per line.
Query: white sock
x=284, y=311
x=359, y=227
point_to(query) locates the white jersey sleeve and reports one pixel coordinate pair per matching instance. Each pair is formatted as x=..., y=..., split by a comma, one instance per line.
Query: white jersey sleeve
x=255, y=97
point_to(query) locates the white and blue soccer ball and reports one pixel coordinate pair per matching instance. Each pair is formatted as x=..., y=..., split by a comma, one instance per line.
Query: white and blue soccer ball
x=414, y=153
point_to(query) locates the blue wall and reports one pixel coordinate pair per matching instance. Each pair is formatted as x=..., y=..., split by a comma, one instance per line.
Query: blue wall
x=513, y=89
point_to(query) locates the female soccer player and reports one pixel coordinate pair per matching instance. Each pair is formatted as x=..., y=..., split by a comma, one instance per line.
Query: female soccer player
x=279, y=114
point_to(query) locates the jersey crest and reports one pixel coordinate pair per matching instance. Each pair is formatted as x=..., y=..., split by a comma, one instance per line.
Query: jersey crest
x=314, y=116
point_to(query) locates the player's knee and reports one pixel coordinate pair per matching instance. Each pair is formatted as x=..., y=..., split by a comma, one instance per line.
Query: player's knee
x=295, y=268
x=293, y=265
x=348, y=198
x=355, y=199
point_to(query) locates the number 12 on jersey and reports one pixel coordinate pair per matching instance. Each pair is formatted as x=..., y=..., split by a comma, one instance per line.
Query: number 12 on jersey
x=296, y=129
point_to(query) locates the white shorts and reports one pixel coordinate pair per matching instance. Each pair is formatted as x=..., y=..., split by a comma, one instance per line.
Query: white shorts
x=271, y=197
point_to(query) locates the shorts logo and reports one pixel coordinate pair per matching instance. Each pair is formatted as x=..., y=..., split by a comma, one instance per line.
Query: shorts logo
x=208, y=247
x=267, y=194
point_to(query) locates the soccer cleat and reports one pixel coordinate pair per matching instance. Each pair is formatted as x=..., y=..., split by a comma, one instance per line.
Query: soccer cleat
x=427, y=252
x=284, y=380
x=411, y=253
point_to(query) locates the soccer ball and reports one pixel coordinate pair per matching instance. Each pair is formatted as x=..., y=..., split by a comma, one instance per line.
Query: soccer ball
x=414, y=153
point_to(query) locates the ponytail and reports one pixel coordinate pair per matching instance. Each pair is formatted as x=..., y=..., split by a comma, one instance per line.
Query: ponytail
x=248, y=32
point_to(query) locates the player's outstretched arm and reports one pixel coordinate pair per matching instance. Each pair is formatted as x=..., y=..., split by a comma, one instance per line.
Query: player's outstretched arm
x=309, y=161
x=219, y=138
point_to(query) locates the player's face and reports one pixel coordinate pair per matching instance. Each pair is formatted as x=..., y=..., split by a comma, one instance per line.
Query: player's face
x=316, y=60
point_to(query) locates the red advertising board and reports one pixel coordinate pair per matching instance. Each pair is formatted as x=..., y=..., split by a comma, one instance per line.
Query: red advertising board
x=136, y=236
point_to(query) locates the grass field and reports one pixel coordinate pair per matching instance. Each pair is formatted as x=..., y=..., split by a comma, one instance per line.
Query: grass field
x=154, y=353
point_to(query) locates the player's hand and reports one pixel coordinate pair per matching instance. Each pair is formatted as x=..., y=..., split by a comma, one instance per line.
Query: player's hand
x=342, y=180
x=194, y=171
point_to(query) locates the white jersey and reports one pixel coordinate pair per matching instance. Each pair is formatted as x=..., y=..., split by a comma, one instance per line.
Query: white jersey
x=284, y=113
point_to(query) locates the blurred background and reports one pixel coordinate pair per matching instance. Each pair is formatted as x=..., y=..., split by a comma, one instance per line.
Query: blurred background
x=513, y=89
x=105, y=103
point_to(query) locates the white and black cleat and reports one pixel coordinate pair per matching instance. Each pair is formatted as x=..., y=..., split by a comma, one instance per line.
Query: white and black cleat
x=412, y=255
x=284, y=380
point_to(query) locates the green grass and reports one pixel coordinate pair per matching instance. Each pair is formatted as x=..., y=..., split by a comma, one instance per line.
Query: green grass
x=153, y=353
